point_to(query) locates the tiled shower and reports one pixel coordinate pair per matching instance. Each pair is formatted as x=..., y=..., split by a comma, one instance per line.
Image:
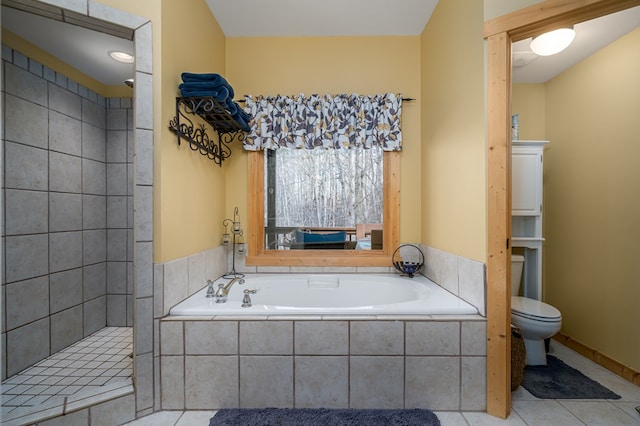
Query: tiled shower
x=68, y=212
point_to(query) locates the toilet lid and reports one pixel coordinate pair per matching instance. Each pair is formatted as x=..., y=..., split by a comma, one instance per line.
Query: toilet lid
x=535, y=309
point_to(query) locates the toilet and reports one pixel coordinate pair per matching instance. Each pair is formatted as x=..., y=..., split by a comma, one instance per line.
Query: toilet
x=536, y=320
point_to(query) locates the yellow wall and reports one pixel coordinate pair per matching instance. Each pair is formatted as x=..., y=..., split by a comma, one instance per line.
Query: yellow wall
x=330, y=65
x=591, y=211
x=190, y=188
x=528, y=101
x=592, y=203
x=453, y=136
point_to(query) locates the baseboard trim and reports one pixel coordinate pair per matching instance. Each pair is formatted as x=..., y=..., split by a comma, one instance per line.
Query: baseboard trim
x=600, y=358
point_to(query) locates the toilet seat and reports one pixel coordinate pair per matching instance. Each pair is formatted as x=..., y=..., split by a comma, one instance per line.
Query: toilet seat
x=525, y=307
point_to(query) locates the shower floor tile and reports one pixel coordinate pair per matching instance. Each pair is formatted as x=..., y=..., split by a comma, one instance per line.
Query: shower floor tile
x=103, y=358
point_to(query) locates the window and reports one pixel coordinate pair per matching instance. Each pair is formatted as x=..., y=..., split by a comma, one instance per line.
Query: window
x=271, y=234
x=322, y=195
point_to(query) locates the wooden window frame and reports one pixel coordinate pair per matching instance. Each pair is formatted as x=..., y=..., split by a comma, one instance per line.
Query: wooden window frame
x=500, y=33
x=258, y=256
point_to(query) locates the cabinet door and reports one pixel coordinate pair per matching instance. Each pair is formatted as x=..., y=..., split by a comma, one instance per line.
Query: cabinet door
x=526, y=183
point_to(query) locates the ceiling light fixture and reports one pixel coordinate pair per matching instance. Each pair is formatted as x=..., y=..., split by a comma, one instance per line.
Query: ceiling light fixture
x=120, y=56
x=552, y=42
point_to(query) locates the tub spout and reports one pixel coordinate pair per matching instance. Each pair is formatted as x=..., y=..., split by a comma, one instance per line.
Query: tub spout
x=223, y=289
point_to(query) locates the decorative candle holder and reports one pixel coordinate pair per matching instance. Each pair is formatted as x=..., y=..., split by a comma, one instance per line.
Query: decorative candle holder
x=236, y=231
x=408, y=260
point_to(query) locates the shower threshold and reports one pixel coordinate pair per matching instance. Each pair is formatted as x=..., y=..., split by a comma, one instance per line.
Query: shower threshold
x=95, y=369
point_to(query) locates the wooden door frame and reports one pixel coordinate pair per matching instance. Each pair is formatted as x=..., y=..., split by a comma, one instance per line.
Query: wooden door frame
x=500, y=33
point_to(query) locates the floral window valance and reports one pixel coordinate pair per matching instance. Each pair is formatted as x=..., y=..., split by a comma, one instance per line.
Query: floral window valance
x=329, y=121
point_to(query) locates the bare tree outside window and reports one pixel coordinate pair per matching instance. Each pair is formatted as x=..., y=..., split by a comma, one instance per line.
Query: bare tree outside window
x=323, y=188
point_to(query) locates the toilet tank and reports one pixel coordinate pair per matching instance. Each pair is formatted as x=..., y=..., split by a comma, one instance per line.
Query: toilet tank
x=517, y=266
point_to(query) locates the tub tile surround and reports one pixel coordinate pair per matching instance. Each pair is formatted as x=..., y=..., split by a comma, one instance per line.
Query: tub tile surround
x=323, y=363
x=67, y=221
x=425, y=367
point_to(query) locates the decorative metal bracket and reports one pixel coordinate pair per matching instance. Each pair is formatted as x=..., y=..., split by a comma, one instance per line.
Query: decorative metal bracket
x=213, y=114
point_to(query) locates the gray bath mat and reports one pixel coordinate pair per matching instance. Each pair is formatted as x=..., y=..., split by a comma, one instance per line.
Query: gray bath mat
x=322, y=417
x=557, y=380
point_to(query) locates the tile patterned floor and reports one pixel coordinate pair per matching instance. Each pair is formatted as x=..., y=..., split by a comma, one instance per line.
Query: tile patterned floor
x=100, y=359
x=527, y=410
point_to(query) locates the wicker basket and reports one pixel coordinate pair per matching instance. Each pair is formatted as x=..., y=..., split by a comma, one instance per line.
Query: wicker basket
x=518, y=357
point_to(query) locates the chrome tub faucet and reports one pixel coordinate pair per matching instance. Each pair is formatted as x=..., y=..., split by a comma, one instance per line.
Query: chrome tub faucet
x=223, y=289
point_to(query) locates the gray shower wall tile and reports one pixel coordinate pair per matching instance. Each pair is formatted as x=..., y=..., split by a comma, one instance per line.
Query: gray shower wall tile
x=65, y=212
x=116, y=310
x=144, y=165
x=64, y=101
x=131, y=146
x=26, y=167
x=24, y=84
x=94, y=142
x=117, y=212
x=94, y=315
x=65, y=249
x=117, y=179
x=143, y=268
x=116, y=146
x=65, y=173
x=93, y=113
x=27, y=301
x=116, y=278
x=94, y=279
x=94, y=246
x=94, y=211
x=65, y=134
x=116, y=119
x=65, y=289
x=34, y=131
x=144, y=206
x=144, y=50
x=25, y=212
x=117, y=245
x=27, y=345
x=66, y=328
x=26, y=256
x=94, y=179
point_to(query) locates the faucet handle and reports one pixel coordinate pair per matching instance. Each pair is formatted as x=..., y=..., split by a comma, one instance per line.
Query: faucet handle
x=246, y=300
x=210, y=291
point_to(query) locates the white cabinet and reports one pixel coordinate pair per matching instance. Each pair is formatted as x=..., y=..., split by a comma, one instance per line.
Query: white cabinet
x=526, y=211
x=526, y=181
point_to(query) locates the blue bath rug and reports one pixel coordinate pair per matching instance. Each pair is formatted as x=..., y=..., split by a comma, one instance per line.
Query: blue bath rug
x=557, y=380
x=322, y=417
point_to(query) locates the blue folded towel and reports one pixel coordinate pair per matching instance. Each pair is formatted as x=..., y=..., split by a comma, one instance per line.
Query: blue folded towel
x=221, y=93
x=188, y=76
x=214, y=86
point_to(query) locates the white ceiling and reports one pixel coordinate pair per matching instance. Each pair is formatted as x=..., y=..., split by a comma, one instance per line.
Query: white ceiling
x=246, y=18
x=591, y=36
x=87, y=50
x=84, y=49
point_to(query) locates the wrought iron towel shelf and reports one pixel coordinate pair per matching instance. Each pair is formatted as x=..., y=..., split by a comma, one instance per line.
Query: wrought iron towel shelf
x=214, y=115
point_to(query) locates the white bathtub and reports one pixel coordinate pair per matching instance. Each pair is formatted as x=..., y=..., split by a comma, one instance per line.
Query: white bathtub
x=329, y=294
